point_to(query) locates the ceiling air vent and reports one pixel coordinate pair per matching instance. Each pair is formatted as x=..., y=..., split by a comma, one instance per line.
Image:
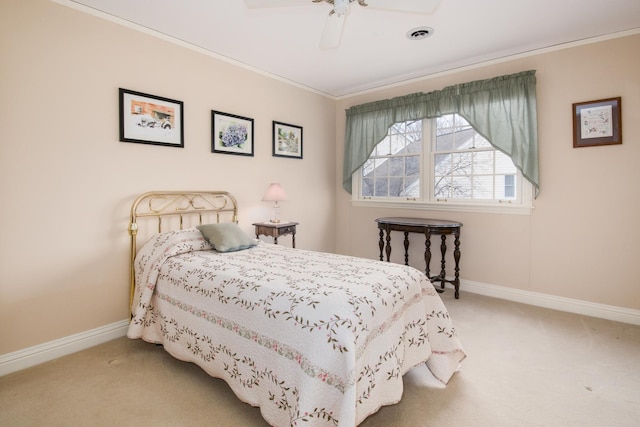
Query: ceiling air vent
x=419, y=33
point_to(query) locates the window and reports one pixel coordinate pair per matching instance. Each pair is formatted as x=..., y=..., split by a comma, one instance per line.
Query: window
x=439, y=161
x=393, y=169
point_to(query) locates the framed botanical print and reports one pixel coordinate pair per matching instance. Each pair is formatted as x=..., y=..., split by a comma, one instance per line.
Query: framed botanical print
x=231, y=134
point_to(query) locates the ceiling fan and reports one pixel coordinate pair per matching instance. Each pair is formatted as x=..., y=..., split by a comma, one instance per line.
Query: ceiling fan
x=334, y=24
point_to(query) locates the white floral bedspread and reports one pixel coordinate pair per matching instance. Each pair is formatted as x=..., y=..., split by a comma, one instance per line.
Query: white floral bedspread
x=309, y=337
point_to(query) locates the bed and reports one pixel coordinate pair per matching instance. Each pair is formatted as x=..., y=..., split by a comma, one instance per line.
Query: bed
x=308, y=337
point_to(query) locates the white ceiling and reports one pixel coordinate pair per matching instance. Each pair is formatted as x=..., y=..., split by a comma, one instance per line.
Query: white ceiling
x=374, y=49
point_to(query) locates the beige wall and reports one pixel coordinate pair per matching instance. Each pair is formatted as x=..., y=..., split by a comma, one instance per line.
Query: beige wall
x=67, y=183
x=581, y=241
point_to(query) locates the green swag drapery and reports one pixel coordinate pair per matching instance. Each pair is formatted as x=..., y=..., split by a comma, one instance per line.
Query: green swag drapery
x=502, y=109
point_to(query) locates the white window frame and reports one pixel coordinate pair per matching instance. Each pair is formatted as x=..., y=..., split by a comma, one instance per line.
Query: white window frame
x=523, y=204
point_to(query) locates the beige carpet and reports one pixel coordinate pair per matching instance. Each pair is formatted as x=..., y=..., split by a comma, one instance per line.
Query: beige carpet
x=526, y=366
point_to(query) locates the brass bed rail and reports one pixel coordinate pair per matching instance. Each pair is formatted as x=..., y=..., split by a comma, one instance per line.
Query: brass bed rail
x=176, y=204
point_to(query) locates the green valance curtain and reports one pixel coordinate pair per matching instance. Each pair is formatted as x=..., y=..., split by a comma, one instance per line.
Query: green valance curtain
x=502, y=109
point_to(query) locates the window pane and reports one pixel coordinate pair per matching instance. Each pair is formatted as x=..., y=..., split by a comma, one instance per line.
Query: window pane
x=483, y=162
x=444, y=124
x=397, y=144
x=397, y=166
x=442, y=164
x=414, y=144
x=461, y=163
x=463, y=139
x=382, y=187
x=460, y=187
x=383, y=148
x=480, y=142
x=483, y=187
x=413, y=137
x=442, y=187
x=504, y=164
x=461, y=123
x=396, y=187
x=444, y=142
x=412, y=166
x=367, y=168
x=397, y=128
x=367, y=187
x=381, y=167
x=509, y=185
x=412, y=187
x=505, y=186
x=414, y=127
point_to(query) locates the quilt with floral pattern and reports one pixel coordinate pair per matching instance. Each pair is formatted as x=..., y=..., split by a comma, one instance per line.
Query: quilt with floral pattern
x=311, y=338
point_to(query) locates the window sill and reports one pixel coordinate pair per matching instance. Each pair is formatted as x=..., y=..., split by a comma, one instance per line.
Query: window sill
x=504, y=208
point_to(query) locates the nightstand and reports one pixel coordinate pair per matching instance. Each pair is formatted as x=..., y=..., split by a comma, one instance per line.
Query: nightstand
x=276, y=229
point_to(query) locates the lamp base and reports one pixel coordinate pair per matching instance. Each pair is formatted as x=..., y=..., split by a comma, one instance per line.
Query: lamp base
x=276, y=214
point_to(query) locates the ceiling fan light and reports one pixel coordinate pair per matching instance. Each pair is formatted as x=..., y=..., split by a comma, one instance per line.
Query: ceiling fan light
x=341, y=6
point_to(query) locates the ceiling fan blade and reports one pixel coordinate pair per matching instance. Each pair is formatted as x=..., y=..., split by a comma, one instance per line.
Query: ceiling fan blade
x=260, y=4
x=407, y=6
x=332, y=32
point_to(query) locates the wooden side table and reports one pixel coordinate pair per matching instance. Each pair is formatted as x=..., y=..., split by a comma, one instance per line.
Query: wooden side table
x=427, y=227
x=276, y=229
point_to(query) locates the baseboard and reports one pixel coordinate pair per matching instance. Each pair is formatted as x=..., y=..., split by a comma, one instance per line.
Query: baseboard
x=41, y=353
x=603, y=311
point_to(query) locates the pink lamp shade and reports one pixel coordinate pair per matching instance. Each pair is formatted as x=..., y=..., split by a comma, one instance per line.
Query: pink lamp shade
x=275, y=193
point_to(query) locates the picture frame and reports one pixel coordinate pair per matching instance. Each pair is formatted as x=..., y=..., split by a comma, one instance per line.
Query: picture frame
x=231, y=134
x=287, y=140
x=151, y=119
x=597, y=122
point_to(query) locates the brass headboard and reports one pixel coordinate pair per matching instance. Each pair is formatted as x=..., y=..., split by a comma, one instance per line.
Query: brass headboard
x=179, y=208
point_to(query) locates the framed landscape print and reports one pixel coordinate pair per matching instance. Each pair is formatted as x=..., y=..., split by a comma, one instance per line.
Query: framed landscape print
x=597, y=122
x=287, y=140
x=149, y=119
x=231, y=134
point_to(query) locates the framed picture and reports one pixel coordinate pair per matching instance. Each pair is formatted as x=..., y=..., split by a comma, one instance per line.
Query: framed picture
x=287, y=140
x=149, y=119
x=231, y=134
x=597, y=123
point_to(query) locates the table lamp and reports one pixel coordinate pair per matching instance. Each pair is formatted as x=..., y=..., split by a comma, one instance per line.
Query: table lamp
x=275, y=193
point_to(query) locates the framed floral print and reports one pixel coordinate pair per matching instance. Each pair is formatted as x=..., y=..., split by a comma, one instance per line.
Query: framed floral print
x=231, y=134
